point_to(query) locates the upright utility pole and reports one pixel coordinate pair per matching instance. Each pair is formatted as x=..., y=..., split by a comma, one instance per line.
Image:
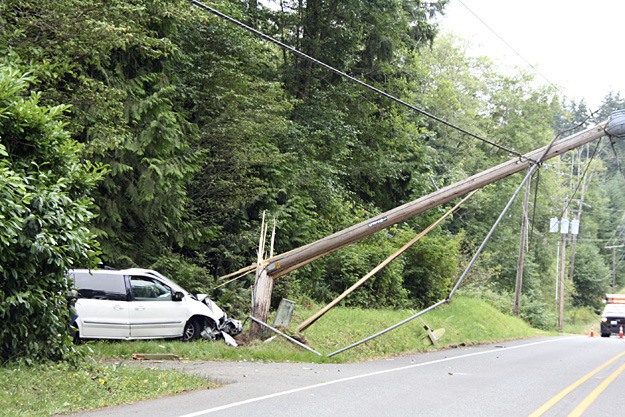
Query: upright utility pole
x=584, y=186
x=613, y=268
x=614, y=263
x=564, y=233
x=519, y=270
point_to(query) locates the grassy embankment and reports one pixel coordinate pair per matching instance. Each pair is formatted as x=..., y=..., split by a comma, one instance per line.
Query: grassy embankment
x=44, y=391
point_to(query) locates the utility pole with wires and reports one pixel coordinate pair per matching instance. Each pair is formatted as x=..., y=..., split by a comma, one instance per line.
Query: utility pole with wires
x=564, y=226
x=564, y=230
x=582, y=180
x=521, y=260
x=614, y=263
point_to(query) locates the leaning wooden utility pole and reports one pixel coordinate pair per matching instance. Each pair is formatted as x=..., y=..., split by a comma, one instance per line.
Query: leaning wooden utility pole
x=301, y=256
x=286, y=262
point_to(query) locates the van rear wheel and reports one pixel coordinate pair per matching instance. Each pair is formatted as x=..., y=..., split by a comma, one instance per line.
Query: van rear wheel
x=191, y=330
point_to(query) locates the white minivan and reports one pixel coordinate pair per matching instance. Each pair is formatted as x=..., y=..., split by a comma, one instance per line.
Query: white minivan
x=143, y=304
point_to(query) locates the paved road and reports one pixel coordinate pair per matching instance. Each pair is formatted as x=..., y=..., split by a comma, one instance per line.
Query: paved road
x=508, y=379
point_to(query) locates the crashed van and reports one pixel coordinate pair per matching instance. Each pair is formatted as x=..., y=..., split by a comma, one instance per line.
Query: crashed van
x=143, y=304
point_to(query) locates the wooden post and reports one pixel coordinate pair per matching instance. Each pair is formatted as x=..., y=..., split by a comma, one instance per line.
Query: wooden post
x=263, y=287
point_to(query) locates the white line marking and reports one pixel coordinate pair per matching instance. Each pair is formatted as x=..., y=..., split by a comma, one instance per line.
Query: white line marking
x=351, y=378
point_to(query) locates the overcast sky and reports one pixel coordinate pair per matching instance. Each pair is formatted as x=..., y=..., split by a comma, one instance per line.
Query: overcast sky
x=577, y=45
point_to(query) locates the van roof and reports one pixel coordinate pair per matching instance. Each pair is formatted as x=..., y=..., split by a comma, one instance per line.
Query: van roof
x=130, y=271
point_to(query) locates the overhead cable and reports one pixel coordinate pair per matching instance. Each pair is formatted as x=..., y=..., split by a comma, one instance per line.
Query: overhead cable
x=349, y=77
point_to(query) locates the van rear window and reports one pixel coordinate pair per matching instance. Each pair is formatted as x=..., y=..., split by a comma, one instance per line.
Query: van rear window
x=101, y=286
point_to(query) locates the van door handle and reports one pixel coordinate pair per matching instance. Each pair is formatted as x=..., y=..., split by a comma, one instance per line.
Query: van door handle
x=140, y=308
x=118, y=307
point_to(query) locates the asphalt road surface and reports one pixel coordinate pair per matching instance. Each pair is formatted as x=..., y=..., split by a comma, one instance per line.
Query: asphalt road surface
x=556, y=376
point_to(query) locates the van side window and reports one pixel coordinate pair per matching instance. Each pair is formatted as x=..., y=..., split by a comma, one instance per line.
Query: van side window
x=101, y=286
x=149, y=289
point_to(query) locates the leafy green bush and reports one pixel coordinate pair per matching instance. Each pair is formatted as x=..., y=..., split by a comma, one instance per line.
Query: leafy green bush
x=234, y=299
x=538, y=314
x=591, y=277
x=431, y=265
x=501, y=300
x=191, y=277
x=44, y=216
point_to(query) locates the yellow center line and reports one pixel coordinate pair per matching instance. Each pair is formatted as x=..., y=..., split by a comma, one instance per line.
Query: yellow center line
x=595, y=393
x=546, y=406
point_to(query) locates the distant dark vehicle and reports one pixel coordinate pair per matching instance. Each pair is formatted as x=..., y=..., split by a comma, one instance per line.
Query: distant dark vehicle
x=613, y=316
x=143, y=304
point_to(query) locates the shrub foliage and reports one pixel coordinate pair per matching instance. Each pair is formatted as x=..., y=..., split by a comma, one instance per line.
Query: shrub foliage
x=43, y=222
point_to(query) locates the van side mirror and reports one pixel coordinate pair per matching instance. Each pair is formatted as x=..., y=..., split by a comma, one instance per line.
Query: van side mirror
x=178, y=296
x=598, y=311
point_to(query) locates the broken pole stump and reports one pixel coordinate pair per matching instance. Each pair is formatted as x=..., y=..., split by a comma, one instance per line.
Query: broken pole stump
x=261, y=301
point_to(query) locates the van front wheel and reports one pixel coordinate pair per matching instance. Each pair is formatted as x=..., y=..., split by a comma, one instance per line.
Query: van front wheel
x=191, y=330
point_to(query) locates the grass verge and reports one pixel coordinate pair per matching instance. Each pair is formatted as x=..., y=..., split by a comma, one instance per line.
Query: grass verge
x=43, y=391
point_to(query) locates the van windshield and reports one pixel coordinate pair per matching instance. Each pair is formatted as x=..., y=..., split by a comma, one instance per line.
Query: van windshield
x=148, y=289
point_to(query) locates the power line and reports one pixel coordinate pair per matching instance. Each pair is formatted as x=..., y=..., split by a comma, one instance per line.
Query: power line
x=351, y=78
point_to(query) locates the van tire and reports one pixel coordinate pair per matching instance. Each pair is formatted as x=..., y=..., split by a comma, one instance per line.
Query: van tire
x=191, y=330
x=74, y=332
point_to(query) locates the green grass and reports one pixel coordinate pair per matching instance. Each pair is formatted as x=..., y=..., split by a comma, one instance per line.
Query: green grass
x=103, y=379
x=579, y=321
x=63, y=388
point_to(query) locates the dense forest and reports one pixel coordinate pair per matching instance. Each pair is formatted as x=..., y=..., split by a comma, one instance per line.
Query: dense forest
x=152, y=133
